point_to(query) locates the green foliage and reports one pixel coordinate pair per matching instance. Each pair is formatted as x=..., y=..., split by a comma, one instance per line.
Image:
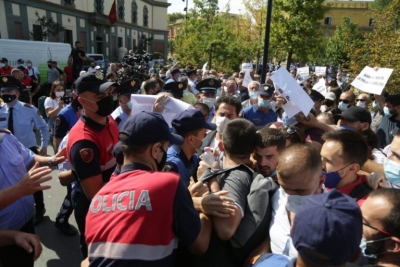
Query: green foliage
x=380, y=47
x=295, y=27
x=144, y=43
x=158, y=55
x=347, y=37
x=48, y=27
x=173, y=17
x=381, y=5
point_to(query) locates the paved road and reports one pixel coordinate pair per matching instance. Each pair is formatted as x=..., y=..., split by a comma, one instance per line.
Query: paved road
x=58, y=250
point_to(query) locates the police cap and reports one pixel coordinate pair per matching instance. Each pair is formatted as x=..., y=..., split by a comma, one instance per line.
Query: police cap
x=9, y=82
x=128, y=87
x=315, y=95
x=191, y=120
x=175, y=88
x=94, y=82
x=208, y=86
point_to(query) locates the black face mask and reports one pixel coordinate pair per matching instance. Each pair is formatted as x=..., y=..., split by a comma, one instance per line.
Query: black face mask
x=8, y=98
x=161, y=164
x=50, y=66
x=105, y=106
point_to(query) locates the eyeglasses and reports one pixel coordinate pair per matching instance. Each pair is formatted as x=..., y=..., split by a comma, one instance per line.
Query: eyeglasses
x=290, y=130
x=376, y=229
x=345, y=101
x=362, y=100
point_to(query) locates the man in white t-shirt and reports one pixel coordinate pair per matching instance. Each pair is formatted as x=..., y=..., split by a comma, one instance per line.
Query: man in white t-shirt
x=33, y=72
x=299, y=173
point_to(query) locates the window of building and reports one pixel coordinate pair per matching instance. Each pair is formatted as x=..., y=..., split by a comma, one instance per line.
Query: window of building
x=134, y=45
x=121, y=9
x=68, y=37
x=371, y=22
x=120, y=42
x=145, y=16
x=328, y=21
x=99, y=6
x=37, y=33
x=68, y=2
x=113, y=52
x=99, y=45
x=134, y=12
x=18, y=30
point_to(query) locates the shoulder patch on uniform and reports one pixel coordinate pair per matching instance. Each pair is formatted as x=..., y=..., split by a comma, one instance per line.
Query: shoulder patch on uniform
x=3, y=130
x=86, y=154
x=28, y=105
x=57, y=121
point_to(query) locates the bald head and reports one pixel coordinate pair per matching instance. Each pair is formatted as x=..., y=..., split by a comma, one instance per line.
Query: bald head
x=349, y=96
x=297, y=160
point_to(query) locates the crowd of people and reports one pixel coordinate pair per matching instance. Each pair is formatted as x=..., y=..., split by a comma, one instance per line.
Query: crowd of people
x=231, y=181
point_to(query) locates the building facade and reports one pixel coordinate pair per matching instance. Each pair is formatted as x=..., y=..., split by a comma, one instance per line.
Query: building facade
x=87, y=21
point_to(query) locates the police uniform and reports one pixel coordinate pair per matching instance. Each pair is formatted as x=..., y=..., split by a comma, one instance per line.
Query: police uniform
x=89, y=148
x=151, y=209
x=191, y=82
x=185, y=122
x=175, y=88
x=209, y=86
x=15, y=161
x=172, y=72
x=127, y=88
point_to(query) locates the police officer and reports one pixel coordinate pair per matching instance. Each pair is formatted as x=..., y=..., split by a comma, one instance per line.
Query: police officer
x=124, y=91
x=318, y=98
x=208, y=94
x=175, y=88
x=21, y=118
x=153, y=209
x=16, y=188
x=174, y=72
x=91, y=142
x=191, y=74
x=192, y=126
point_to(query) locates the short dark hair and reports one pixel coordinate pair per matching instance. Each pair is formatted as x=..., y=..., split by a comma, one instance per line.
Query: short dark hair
x=268, y=137
x=202, y=107
x=239, y=138
x=303, y=157
x=354, y=146
x=294, y=134
x=391, y=223
x=149, y=84
x=230, y=100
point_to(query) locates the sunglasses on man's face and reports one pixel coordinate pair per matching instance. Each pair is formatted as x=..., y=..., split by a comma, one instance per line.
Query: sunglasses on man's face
x=362, y=100
x=345, y=101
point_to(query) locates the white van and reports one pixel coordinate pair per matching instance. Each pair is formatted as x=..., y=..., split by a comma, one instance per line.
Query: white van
x=38, y=52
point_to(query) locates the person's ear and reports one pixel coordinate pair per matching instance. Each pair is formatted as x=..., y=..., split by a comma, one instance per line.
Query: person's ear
x=364, y=126
x=81, y=100
x=354, y=168
x=154, y=150
x=393, y=246
x=221, y=146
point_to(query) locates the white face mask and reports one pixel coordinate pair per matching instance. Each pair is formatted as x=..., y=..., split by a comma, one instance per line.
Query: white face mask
x=342, y=106
x=225, y=89
x=29, y=65
x=323, y=108
x=294, y=202
x=221, y=123
x=361, y=104
x=209, y=102
x=59, y=94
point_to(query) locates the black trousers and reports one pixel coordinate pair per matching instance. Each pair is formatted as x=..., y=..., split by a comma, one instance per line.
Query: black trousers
x=80, y=210
x=15, y=256
x=76, y=69
x=38, y=196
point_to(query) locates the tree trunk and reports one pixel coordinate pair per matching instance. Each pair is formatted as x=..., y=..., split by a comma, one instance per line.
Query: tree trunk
x=289, y=59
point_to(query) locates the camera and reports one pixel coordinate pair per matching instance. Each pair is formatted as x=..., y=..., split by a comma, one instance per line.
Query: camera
x=67, y=99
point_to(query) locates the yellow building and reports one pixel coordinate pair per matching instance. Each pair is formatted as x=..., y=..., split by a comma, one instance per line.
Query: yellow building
x=357, y=11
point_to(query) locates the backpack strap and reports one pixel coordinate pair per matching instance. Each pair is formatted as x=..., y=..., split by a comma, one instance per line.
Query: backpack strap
x=209, y=173
x=360, y=191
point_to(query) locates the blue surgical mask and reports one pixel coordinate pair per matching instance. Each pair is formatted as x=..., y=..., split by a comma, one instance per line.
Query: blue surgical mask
x=129, y=104
x=375, y=105
x=392, y=171
x=342, y=106
x=263, y=103
x=253, y=95
x=363, y=247
x=332, y=179
x=386, y=111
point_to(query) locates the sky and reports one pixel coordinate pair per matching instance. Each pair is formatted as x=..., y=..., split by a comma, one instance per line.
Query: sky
x=236, y=6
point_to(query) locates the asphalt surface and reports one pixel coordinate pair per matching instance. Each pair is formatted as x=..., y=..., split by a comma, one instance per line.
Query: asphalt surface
x=58, y=250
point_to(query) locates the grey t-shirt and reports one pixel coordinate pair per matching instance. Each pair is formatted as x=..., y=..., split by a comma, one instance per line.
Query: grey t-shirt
x=52, y=75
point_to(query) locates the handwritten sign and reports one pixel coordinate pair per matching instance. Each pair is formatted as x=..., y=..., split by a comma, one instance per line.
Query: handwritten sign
x=303, y=73
x=372, y=81
x=247, y=78
x=320, y=86
x=320, y=71
x=296, y=99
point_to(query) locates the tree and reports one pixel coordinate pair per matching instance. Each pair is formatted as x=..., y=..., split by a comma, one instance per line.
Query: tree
x=48, y=27
x=381, y=5
x=340, y=46
x=295, y=27
x=380, y=47
x=144, y=43
x=173, y=17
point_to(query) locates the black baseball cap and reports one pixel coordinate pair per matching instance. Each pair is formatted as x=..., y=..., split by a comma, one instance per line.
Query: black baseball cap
x=353, y=114
x=191, y=120
x=146, y=128
x=3, y=60
x=94, y=82
x=393, y=99
x=315, y=95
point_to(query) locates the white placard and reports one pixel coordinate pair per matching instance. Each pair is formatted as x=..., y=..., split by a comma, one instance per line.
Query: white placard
x=247, y=66
x=320, y=86
x=204, y=69
x=320, y=71
x=145, y=103
x=372, y=81
x=247, y=78
x=296, y=99
x=303, y=73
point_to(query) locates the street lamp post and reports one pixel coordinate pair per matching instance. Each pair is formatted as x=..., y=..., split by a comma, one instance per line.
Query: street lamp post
x=186, y=8
x=210, y=56
x=266, y=41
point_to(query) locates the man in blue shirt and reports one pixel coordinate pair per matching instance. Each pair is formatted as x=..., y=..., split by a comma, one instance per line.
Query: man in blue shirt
x=21, y=119
x=261, y=114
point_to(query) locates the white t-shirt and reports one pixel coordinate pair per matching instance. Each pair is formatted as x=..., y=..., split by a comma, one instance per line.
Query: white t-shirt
x=51, y=103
